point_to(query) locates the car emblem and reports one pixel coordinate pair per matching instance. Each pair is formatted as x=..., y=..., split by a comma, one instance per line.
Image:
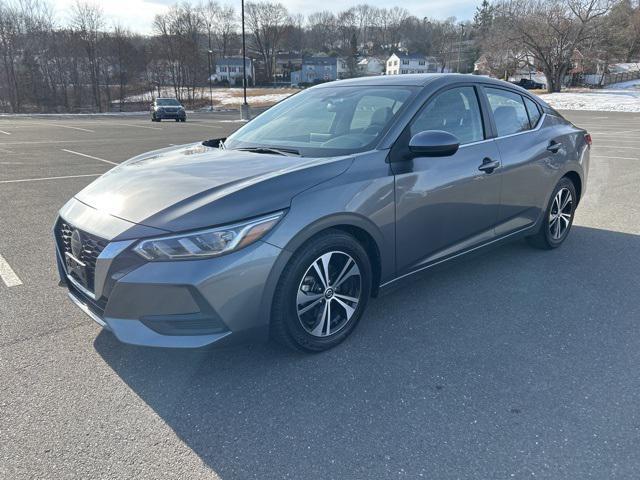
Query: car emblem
x=76, y=244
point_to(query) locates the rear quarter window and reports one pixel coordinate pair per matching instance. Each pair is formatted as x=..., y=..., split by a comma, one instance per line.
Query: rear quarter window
x=533, y=111
x=509, y=112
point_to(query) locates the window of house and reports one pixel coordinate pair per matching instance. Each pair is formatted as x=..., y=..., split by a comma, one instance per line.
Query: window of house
x=455, y=111
x=405, y=62
x=509, y=112
x=421, y=62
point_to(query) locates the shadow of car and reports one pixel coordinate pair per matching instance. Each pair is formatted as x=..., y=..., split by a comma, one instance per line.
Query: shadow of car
x=481, y=371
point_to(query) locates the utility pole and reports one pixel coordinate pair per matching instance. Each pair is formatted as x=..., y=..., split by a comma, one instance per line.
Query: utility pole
x=210, y=86
x=244, y=108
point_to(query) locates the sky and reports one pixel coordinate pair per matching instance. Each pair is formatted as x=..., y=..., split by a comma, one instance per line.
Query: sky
x=138, y=14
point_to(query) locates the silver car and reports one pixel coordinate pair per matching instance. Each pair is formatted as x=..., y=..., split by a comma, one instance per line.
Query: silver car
x=286, y=228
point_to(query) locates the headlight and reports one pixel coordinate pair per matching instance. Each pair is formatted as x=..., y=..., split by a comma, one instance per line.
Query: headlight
x=207, y=243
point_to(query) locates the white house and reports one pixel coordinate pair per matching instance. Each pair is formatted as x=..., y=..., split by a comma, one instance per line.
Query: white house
x=371, y=66
x=230, y=70
x=401, y=64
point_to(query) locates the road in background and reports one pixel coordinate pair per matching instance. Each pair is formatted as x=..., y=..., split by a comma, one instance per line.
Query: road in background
x=515, y=364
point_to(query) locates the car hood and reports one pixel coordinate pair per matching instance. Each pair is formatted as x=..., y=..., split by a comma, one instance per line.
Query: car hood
x=194, y=186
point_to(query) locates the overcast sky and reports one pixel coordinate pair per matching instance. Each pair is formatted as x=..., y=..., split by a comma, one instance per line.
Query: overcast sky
x=138, y=14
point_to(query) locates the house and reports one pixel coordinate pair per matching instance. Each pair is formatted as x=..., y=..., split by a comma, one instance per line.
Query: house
x=370, y=66
x=482, y=66
x=400, y=64
x=319, y=69
x=284, y=64
x=230, y=70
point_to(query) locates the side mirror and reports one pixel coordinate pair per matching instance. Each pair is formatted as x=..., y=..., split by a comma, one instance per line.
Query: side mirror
x=434, y=143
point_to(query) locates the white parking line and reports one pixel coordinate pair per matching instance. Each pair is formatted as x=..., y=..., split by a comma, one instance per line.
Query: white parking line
x=7, y=274
x=624, y=147
x=6, y=133
x=89, y=156
x=72, y=128
x=619, y=158
x=38, y=179
x=137, y=126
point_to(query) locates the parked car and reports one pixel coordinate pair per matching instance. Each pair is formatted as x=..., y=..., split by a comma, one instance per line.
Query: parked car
x=167, y=108
x=287, y=228
x=529, y=84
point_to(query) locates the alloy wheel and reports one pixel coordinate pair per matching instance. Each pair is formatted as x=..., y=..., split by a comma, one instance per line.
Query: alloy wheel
x=329, y=293
x=560, y=213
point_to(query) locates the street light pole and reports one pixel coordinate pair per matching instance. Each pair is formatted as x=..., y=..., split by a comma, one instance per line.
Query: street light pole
x=210, y=85
x=244, y=108
x=460, y=46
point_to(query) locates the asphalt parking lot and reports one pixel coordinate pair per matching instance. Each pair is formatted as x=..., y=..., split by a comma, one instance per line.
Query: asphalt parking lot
x=515, y=364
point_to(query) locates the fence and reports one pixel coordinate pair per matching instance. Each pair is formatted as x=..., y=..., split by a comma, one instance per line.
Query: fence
x=599, y=80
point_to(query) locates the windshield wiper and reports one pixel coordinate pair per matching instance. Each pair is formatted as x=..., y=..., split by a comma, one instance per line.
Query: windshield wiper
x=278, y=151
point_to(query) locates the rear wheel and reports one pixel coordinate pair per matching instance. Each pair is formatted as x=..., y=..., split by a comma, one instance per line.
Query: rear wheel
x=322, y=293
x=558, y=219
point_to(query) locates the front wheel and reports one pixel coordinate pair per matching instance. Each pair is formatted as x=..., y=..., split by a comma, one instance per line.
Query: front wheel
x=322, y=293
x=558, y=217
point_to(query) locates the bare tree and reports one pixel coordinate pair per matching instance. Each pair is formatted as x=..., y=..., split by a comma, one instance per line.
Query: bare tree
x=550, y=30
x=267, y=22
x=178, y=34
x=322, y=30
x=87, y=21
x=221, y=25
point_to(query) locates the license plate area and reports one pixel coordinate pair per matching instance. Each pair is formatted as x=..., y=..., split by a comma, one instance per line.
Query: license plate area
x=76, y=268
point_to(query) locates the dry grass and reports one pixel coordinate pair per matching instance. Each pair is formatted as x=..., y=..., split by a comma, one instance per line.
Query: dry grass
x=254, y=92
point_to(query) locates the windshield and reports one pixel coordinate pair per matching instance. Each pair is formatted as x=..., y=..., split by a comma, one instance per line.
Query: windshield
x=167, y=102
x=325, y=121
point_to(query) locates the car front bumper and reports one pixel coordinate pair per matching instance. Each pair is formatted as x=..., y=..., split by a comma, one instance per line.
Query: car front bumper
x=172, y=115
x=189, y=303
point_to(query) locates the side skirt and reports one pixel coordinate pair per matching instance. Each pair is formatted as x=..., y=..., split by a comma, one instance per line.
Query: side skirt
x=397, y=282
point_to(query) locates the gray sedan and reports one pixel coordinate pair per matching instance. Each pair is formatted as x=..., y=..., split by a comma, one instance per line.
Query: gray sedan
x=339, y=193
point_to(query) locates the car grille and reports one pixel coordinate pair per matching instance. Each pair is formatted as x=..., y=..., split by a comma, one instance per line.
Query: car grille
x=91, y=247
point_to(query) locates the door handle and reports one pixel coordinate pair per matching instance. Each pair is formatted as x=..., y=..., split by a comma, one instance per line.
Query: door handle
x=488, y=165
x=554, y=146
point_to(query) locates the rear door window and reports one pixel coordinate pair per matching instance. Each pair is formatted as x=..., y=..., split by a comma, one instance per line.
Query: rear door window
x=509, y=112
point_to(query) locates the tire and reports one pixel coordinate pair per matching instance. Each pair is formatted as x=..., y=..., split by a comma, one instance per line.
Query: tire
x=177, y=120
x=183, y=120
x=555, y=228
x=303, y=302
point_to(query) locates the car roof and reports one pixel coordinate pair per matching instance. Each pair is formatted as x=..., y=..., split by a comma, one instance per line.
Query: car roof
x=415, y=79
x=423, y=79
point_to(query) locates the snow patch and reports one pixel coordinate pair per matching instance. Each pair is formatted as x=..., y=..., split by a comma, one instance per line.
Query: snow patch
x=631, y=84
x=599, y=101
